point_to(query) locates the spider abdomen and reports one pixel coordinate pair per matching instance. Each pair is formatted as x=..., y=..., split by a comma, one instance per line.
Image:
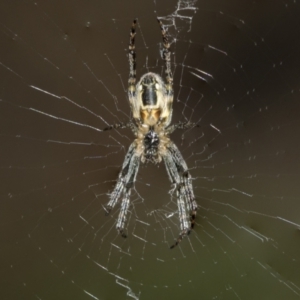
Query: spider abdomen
x=149, y=90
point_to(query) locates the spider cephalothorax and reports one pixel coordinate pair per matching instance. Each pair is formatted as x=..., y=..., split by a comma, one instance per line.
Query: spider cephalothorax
x=151, y=104
x=151, y=143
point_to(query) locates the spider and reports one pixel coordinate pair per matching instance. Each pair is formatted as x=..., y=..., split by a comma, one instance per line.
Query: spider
x=151, y=104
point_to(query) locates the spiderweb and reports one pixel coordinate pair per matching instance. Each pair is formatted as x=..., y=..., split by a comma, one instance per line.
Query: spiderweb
x=64, y=73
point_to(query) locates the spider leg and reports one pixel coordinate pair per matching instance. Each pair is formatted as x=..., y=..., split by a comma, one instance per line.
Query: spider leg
x=123, y=212
x=123, y=186
x=188, y=193
x=132, y=63
x=117, y=126
x=181, y=125
x=180, y=176
x=121, y=125
x=184, y=226
x=174, y=176
x=186, y=183
x=167, y=59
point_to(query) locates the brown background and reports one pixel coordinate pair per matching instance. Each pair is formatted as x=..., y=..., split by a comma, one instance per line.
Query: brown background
x=64, y=72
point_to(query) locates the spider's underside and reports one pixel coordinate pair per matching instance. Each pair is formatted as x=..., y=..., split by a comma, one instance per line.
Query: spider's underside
x=151, y=104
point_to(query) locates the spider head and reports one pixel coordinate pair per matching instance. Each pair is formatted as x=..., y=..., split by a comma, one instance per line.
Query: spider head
x=151, y=142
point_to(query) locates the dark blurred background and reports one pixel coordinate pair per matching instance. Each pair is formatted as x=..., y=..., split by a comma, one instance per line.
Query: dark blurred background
x=64, y=72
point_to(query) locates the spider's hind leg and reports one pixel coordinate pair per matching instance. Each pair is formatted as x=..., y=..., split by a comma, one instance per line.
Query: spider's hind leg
x=167, y=58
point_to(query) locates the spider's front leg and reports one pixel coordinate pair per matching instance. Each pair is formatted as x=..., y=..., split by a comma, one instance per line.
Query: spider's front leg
x=123, y=187
x=185, y=228
x=180, y=176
